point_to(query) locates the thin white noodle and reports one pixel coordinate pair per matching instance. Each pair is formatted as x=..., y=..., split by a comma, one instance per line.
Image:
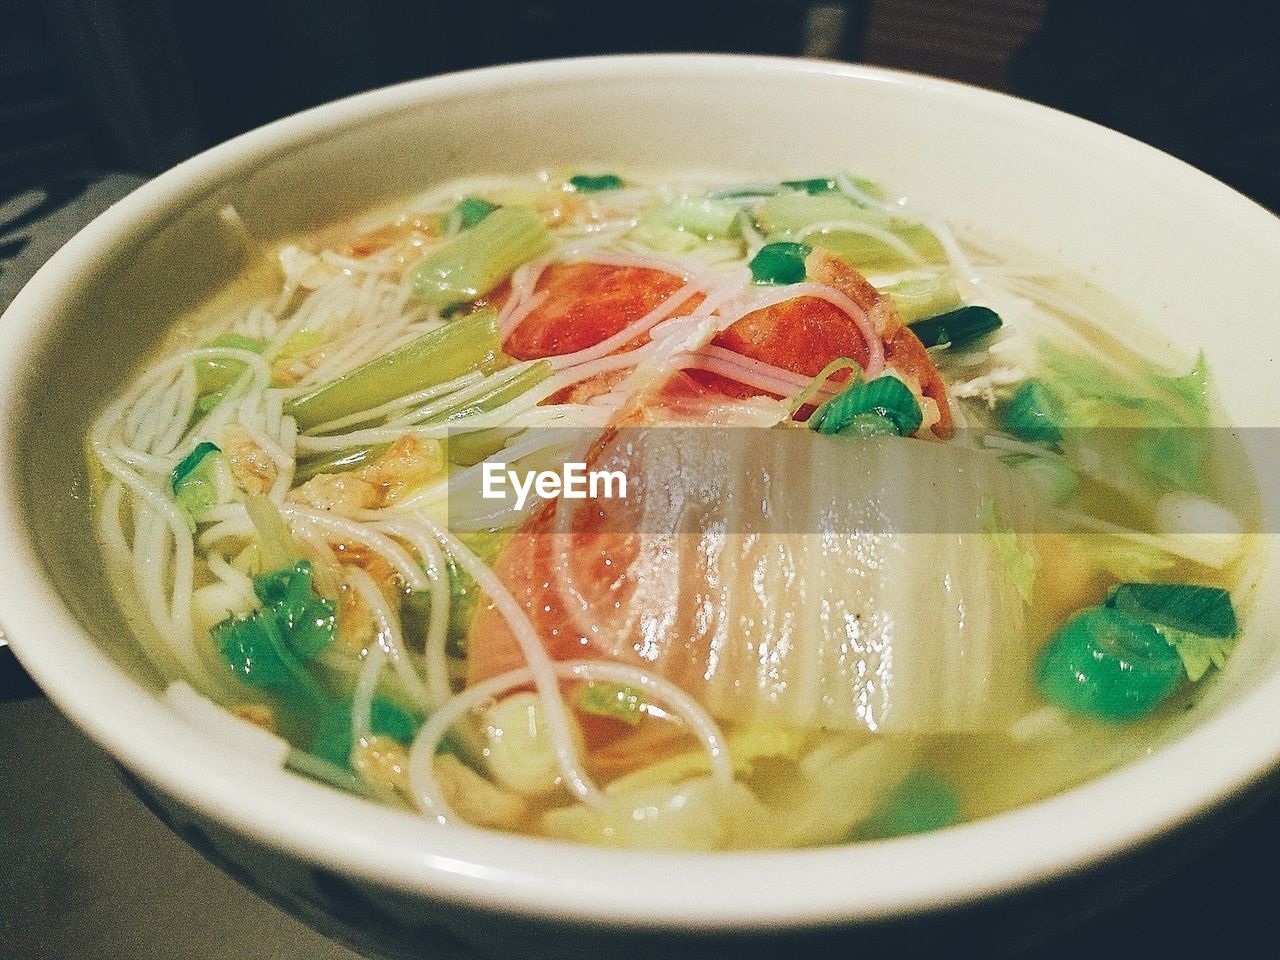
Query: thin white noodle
x=560, y=725
x=389, y=638
x=426, y=791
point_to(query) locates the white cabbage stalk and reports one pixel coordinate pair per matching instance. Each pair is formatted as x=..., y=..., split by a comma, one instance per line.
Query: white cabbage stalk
x=823, y=615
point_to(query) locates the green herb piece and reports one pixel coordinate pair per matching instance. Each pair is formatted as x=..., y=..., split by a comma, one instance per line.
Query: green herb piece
x=957, y=328
x=471, y=210
x=334, y=739
x=307, y=620
x=588, y=183
x=1106, y=664
x=616, y=701
x=1034, y=414
x=780, y=263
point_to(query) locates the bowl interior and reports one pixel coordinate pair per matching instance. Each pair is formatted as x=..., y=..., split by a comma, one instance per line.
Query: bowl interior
x=1193, y=259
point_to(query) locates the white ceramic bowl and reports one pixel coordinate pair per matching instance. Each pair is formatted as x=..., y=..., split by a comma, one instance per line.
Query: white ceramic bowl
x=1198, y=260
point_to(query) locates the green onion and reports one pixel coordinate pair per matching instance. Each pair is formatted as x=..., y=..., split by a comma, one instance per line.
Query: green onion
x=471, y=210
x=813, y=187
x=189, y=463
x=1104, y=663
x=1205, y=611
x=339, y=461
x=586, y=183
x=477, y=260
x=462, y=345
x=956, y=328
x=1034, y=414
x=780, y=263
x=921, y=298
x=925, y=800
x=869, y=424
x=616, y=701
x=194, y=482
x=746, y=191
x=886, y=397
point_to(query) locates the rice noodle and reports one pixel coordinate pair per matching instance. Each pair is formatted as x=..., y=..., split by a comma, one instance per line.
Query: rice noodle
x=426, y=791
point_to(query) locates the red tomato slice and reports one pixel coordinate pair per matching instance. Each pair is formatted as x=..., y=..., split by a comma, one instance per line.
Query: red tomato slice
x=587, y=303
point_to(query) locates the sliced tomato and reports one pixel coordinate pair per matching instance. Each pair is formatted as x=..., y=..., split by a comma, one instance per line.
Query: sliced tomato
x=801, y=335
x=587, y=303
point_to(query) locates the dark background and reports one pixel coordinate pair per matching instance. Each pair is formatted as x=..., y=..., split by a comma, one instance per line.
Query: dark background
x=134, y=86
x=139, y=84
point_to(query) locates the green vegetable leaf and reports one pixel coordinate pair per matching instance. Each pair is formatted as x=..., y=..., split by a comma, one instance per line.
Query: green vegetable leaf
x=334, y=739
x=1198, y=653
x=256, y=651
x=614, y=700
x=1198, y=621
x=307, y=621
x=1018, y=561
x=1181, y=606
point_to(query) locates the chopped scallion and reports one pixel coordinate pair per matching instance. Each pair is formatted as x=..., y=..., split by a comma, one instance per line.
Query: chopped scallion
x=957, y=328
x=780, y=263
x=887, y=398
x=587, y=183
x=1034, y=414
x=471, y=210
x=1107, y=664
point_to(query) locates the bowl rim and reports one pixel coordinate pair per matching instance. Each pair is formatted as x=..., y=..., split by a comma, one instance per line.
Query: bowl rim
x=534, y=877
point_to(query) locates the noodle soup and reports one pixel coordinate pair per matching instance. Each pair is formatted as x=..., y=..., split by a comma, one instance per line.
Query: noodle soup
x=1007, y=564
